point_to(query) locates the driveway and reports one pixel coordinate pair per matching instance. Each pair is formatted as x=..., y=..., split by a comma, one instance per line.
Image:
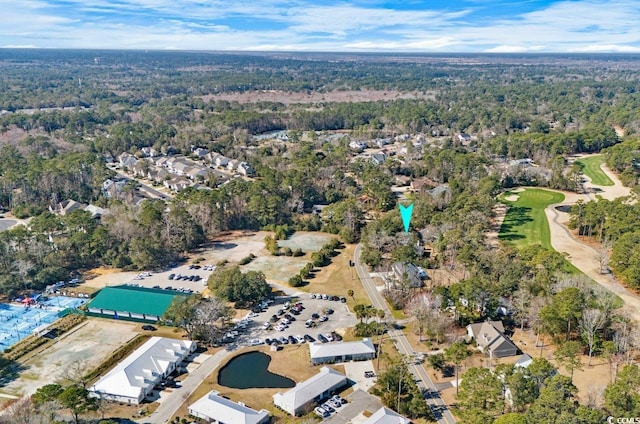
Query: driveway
x=352, y=412
x=355, y=372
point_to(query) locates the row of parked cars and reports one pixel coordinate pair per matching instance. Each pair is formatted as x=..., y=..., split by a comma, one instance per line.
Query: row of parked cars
x=329, y=407
x=184, y=277
x=328, y=297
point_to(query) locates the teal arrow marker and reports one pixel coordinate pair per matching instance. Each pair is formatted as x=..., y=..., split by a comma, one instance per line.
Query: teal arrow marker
x=406, y=212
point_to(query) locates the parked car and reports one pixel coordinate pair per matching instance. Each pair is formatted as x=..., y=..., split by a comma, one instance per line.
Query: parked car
x=321, y=412
x=329, y=337
x=171, y=276
x=336, y=336
x=308, y=338
x=323, y=318
x=335, y=403
x=322, y=338
x=343, y=299
x=149, y=328
x=339, y=399
x=328, y=407
x=315, y=316
x=284, y=340
x=255, y=342
x=300, y=339
x=292, y=340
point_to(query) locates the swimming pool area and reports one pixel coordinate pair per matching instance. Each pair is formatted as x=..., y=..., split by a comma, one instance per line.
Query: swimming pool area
x=18, y=321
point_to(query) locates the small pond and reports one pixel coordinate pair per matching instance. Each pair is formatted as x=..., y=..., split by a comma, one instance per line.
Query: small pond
x=250, y=370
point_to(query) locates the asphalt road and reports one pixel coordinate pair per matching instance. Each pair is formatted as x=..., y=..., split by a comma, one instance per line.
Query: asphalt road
x=435, y=402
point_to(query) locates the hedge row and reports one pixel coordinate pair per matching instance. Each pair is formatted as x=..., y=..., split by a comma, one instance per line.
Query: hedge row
x=117, y=356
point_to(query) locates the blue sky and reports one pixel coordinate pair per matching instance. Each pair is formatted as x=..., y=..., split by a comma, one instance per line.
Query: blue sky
x=308, y=25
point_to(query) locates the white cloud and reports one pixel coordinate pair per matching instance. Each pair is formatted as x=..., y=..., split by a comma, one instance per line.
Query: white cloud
x=570, y=25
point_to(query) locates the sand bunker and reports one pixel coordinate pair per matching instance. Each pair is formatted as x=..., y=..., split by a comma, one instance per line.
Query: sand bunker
x=511, y=198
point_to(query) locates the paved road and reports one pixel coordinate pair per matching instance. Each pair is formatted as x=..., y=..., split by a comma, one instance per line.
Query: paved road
x=170, y=405
x=435, y=402
x=144, y=186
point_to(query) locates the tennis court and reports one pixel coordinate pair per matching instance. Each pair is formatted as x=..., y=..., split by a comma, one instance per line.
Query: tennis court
x=19, y=321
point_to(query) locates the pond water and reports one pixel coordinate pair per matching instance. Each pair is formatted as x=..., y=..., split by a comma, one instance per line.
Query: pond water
x=250, y=370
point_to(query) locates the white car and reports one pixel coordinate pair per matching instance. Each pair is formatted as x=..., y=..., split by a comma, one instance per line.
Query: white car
x=266, y=325
x=300, y=339
x=329, y=337
x=321, y=412
x=255, y=342
x=323, y=318
x=312, y=296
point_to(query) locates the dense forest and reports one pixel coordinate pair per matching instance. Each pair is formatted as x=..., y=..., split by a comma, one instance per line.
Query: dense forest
x=63, y=113
x=62, y=110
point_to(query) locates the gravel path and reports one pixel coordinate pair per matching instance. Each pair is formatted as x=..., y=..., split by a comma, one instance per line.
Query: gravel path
x=585, y=257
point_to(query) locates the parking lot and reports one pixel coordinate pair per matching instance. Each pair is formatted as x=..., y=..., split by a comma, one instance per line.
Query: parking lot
x=162, y=280
x=352, y=412
x=254, y=324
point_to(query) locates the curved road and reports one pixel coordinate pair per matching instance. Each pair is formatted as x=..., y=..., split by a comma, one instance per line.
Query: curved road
x=435, y=402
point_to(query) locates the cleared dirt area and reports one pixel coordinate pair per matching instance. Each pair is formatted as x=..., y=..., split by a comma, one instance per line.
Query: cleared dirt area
x=288, y=97
x=231, y=247
x=590, y=381
x=91, y=343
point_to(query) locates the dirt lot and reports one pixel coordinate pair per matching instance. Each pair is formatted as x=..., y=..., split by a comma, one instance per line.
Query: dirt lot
x=232, y=247
x=89, y=344
x=590, y=381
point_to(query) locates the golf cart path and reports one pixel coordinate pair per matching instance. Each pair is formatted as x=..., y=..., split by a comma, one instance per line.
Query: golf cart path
x=583, y=256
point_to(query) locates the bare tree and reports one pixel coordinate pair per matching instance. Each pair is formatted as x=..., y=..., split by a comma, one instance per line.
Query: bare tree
x=76, y=373
x=591, y=323
x=21, y=412
x=521, y=302
x=23, y=267
x=420, y=308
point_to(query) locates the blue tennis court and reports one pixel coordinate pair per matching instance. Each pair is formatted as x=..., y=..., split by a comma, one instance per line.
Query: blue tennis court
x=18, y=321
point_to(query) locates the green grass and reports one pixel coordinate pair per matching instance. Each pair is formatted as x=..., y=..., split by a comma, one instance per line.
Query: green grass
x=591, y=168
x=525, y=223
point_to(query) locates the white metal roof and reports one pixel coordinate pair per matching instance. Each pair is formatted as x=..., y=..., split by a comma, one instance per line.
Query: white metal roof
x=326, y=350
x=386, y=416
x=307, y=390
x=224, y=410
x=141, y=368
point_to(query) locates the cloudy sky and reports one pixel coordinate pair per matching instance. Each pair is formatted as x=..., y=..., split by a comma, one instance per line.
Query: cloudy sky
x=325, y=25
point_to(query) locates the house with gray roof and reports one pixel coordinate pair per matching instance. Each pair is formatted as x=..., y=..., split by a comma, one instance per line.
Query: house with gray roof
x=305, y=395
x=410, y=272
x=491, y=340
x=323, y=353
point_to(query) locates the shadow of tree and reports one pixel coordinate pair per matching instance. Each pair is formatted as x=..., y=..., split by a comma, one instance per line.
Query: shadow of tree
x=9, y=371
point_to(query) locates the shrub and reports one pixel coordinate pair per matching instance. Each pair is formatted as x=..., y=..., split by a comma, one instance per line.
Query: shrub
x=298, y=252
x=247, y=259
x=286, y=251
x=296, y=281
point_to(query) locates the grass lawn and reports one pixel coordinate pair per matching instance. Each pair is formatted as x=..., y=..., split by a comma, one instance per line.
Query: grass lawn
x=525, y=223
x=338, y=278
x=591, y=168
